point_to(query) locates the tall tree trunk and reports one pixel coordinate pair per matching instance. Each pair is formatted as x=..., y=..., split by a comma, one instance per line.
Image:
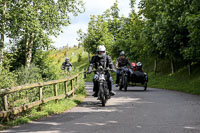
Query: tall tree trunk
x=155, y=65
x=172, y=66
x=2, y=32
x=29, y=49
x=189, y=67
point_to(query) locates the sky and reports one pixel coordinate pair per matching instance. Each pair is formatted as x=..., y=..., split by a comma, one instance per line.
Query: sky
x=92, y=7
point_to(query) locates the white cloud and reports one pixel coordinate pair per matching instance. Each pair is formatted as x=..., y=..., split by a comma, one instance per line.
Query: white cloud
x=92, y=7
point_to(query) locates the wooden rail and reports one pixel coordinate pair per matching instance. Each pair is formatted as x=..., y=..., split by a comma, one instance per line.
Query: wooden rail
x=4, y=93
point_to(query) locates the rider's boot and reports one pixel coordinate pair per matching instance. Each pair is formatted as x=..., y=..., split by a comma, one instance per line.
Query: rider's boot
x=112, y=93
x=95, y=94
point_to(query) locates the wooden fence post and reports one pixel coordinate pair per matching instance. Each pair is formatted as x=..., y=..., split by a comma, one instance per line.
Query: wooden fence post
x=72, y=87
x=41, y=97
x=55, y=91
x=5, y=102
x=65, y=87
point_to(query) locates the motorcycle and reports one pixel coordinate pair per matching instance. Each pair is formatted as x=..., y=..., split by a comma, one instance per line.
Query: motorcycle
x=123, y=79
x=103, y=94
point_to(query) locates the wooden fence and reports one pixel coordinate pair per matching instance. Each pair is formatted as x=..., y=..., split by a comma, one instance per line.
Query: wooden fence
x=38, y=97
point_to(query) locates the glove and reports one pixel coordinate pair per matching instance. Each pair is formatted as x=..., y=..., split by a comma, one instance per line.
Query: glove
x=113, y=70
x=63, y=68
x=89, y=70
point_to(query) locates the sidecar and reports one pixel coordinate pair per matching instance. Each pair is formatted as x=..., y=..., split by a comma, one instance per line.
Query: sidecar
x=138, y=78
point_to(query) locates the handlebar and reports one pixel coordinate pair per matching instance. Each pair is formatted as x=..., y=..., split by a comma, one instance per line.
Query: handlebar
x=100, y=70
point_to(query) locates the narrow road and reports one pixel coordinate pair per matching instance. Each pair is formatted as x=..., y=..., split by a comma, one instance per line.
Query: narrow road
x=134, y=111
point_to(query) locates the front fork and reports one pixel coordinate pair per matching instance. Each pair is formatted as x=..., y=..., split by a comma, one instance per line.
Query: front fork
x=103, y=88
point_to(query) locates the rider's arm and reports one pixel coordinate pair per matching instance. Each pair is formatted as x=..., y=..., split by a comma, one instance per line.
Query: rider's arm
x=70, y=64
x=129, y=64
x=116, y=64
x=91, y=64
x=110, y=64
x=63, y=66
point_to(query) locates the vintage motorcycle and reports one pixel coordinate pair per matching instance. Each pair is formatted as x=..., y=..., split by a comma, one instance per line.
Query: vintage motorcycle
x=123, y=79
x=103, y=94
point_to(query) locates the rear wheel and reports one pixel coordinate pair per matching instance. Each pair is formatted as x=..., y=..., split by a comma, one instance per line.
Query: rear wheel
x=145, y=86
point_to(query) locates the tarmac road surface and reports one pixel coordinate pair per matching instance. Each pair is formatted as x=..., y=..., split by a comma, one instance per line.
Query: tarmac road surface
x=134, y=111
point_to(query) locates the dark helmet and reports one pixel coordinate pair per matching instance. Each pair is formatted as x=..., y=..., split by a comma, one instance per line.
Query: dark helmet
x=122, y=53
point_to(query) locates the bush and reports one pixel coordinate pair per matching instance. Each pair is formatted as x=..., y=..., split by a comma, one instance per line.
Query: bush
x=79, y=57
x=7, y=78
x=28, y=75
x=48, y=70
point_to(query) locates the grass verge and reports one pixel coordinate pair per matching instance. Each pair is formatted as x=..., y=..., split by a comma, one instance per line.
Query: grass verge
x=180, y=81
x=47, y=109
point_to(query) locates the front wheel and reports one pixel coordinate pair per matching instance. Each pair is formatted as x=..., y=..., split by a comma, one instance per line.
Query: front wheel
x=120, y=84
x=102, y=95
x=125, y=83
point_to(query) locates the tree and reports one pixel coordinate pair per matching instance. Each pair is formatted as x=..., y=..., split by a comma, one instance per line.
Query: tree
x=97, y=34
x=168, y=32
x=36, y=20
x=3, y=8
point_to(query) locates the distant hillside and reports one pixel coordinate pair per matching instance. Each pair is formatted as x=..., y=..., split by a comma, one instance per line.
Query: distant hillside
x=77, y=56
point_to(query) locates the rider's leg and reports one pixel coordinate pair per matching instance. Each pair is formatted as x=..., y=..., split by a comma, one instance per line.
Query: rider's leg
x=117, y=78
x=95, y=85
x=69, y=69
x=109, y=81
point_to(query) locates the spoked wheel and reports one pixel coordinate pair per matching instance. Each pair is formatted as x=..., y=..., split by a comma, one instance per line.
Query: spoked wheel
x=120, y=84
x=125, y=83
x=103, y=100
x=145, y=86
x=102, y=95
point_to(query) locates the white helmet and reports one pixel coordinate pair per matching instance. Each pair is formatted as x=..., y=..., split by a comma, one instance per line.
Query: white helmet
x=102, y=49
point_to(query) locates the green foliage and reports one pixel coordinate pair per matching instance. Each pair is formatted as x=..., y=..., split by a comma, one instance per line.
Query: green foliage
x=47, y=69
x=172, y=27
x=7, y=78
x=28, y=75
x=33, y=22
x=98, y=34
x=79, y=57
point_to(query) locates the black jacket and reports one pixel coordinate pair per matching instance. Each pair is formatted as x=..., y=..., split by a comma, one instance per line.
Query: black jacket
x=105, y=62
x=66, y=64
x=122, y=62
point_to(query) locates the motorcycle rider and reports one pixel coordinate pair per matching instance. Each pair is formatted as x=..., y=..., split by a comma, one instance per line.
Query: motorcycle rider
x=121, y=62
x=66, y=64
x=140, y=69
x=101, y=59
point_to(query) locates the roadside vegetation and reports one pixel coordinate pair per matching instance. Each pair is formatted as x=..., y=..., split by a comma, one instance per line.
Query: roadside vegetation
x=163, y=35
x=25, y=76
